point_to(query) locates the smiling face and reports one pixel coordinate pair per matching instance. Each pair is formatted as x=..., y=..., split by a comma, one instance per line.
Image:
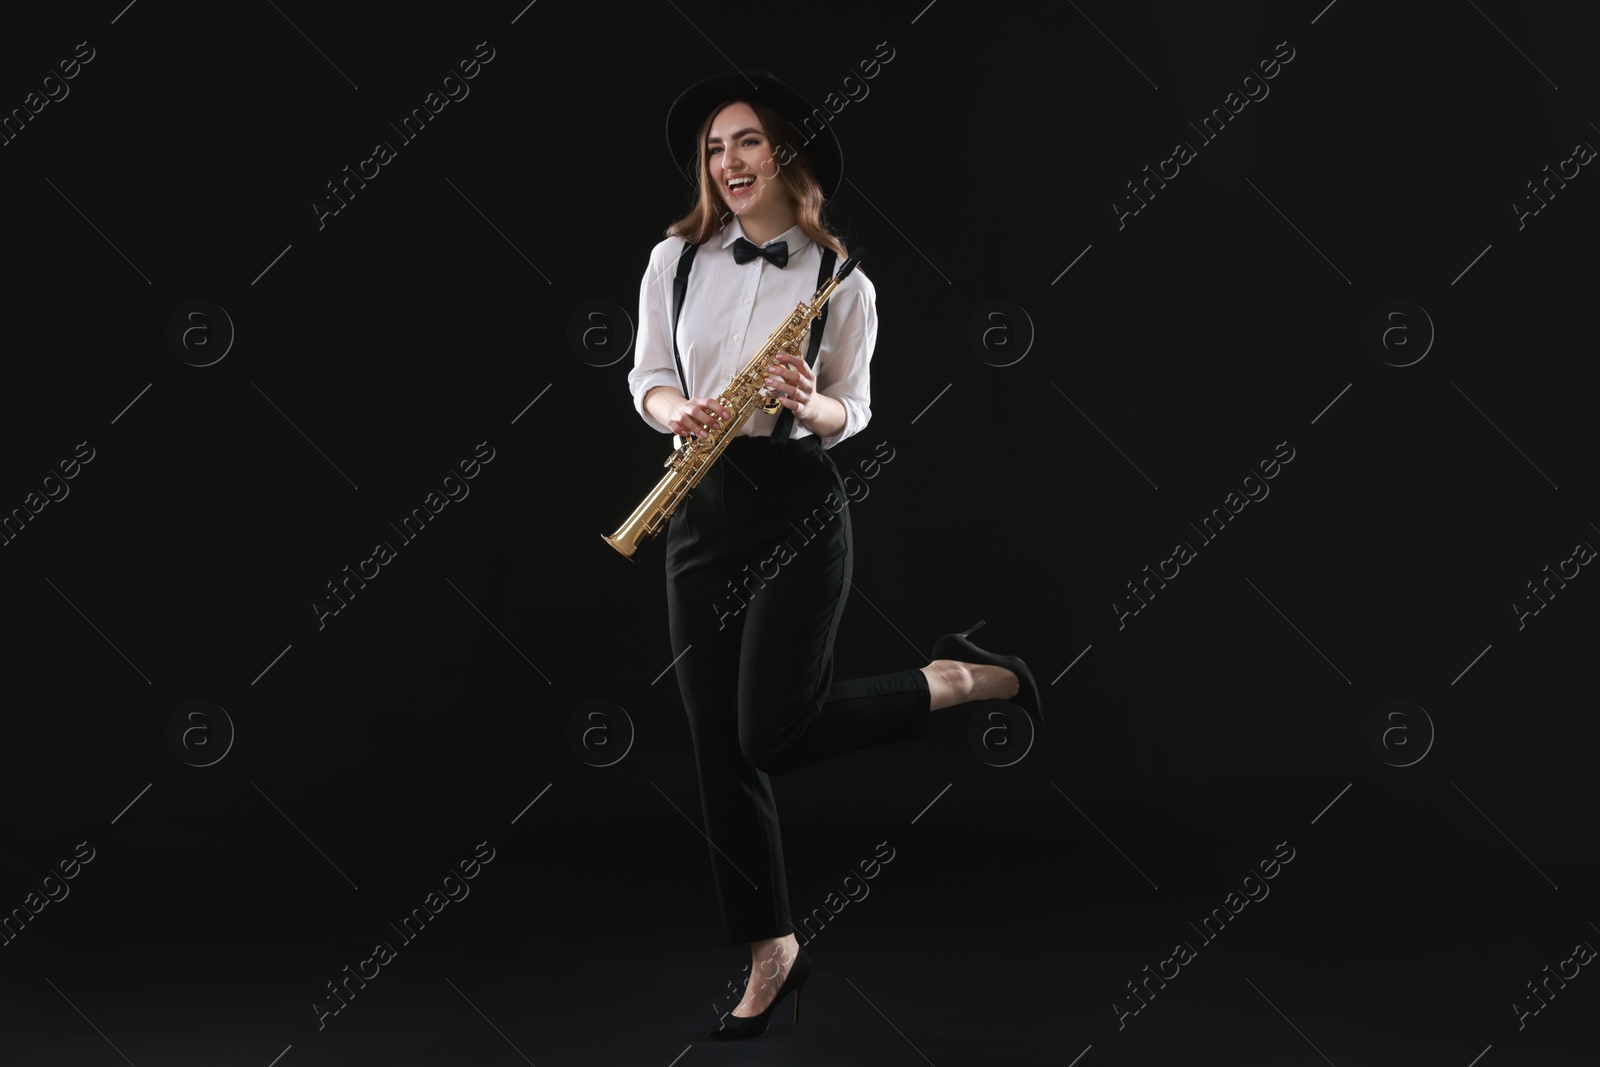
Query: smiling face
x=741, y=162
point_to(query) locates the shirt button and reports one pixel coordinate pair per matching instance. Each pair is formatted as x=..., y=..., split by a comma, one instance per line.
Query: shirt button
x=747, y=300
x=735, y=337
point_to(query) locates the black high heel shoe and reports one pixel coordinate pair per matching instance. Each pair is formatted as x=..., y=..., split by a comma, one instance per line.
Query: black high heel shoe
x=957, y=647
x=734, y=1027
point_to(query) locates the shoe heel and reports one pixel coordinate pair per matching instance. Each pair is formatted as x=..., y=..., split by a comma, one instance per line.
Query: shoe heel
x=797, y=1005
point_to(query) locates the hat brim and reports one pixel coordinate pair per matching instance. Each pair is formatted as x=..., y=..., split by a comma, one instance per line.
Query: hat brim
x=694, y=103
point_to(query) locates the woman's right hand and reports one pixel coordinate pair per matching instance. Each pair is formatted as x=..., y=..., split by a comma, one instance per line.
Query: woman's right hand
x=698, y=415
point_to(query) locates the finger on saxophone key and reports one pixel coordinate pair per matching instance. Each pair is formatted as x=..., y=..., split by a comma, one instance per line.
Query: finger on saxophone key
x=700, y=415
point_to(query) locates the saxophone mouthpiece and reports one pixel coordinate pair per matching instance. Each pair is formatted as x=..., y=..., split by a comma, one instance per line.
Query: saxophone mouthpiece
x=850, y=264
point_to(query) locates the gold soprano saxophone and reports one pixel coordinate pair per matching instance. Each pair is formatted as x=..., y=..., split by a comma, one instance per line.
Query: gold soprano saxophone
x=692, y=457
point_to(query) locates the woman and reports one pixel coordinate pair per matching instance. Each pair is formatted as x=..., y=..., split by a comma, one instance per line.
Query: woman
x=759, y=555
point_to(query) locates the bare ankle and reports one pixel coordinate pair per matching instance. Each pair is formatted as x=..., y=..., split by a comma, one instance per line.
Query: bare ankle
x=949, y=683
x=768, y=946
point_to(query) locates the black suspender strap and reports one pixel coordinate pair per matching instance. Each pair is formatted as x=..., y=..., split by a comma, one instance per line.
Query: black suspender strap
x=680, y=286
x=786, y=417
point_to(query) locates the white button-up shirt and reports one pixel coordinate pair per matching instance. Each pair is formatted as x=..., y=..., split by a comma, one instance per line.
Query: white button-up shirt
x=729, y=311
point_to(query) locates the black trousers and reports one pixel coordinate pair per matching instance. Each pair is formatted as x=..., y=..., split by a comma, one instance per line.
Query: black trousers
x=758, y=568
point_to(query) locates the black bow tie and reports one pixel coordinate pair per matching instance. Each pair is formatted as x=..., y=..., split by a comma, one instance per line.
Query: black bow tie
x=776, y=253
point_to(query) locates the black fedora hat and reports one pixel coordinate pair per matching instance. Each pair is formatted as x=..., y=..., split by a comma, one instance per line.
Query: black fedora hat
x=694, y=103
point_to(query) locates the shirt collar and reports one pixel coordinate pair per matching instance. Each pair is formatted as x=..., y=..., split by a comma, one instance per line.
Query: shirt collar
x=794, y=236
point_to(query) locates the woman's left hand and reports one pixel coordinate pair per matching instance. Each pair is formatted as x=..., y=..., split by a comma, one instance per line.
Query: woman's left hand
x=793, y=382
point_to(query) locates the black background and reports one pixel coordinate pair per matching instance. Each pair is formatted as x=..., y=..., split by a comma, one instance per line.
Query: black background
x=379, y=348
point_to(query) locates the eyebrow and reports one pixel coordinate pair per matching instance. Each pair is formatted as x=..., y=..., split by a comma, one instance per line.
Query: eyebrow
x=736, y=133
